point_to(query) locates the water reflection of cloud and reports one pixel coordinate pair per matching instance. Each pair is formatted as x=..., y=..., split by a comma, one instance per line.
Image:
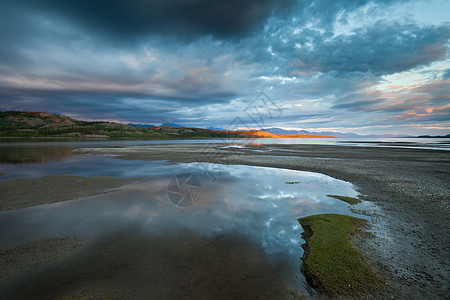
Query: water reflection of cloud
x=253, y=201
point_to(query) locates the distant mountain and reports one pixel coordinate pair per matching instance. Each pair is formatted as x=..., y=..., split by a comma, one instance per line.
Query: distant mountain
x=173, y=125
x=215, y=128
x=435, y=136
x=280, y=131
x=140, y=125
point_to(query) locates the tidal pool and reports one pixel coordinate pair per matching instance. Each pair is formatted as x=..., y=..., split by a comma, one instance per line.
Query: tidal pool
x=241, y=238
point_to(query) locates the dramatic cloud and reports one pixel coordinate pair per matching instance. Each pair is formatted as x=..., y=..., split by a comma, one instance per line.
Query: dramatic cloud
x=186, y=19
x=380, y=49
x=361, y=66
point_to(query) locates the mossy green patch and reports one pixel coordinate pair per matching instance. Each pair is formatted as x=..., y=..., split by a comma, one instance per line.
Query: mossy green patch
x=330, y=262
x=2, y=173
x=349, y=200
x=292, y=182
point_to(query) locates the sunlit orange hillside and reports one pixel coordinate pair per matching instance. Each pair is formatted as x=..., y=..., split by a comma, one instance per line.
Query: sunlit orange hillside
x=257, y=134
x=264, y=134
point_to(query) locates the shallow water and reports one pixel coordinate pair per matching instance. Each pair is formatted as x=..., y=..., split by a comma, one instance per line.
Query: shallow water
x=252, y=204
x=43, y=152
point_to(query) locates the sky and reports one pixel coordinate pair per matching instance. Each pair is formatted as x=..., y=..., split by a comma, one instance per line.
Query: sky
x=359, y=66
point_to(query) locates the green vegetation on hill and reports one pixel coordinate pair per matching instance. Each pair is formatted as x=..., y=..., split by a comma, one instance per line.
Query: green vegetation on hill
x=37, y=124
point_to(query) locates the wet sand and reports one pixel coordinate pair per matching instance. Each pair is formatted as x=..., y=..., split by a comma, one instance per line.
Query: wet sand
x=27, y=192
x=411, y=245
x=30, y=255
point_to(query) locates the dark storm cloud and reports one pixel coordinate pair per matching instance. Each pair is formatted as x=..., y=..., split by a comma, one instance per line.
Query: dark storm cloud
x=187, y=19
x=67, y=95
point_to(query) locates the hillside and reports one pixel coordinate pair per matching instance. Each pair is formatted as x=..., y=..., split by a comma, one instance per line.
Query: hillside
x=37, y=124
